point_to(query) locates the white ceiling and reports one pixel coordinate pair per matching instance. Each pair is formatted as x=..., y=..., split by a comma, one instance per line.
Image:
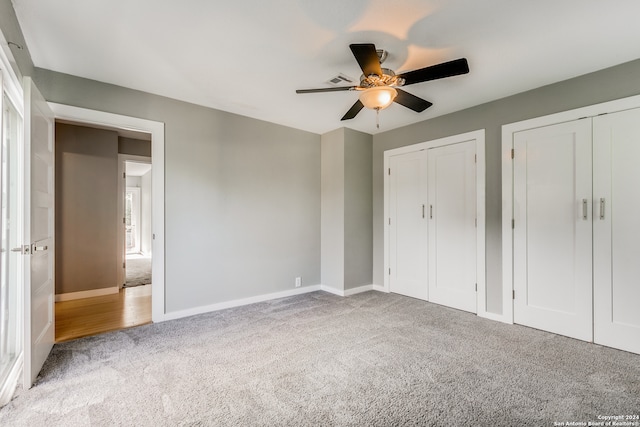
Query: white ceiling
x=249, y=56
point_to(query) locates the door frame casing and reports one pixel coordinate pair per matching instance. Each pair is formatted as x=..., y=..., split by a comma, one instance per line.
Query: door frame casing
x=508, y=132
x=479, y=137
x=11, y=85
x=156, y=129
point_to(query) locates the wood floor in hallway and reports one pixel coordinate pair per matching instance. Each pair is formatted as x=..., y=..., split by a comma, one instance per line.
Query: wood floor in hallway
x=91, y=316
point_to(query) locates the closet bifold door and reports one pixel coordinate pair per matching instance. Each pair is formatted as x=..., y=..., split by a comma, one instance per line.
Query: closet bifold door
x=552, y=236
x=616, y=228
x=451, y=233
x=407, y=225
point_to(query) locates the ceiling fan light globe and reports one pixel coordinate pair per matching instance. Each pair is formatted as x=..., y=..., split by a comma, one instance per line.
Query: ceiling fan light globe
x=379, y=97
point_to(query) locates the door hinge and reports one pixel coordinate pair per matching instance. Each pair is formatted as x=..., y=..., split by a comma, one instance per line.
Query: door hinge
x=124, y=265
x=124, y=220
x=475, y=158
x=389, y=272
x=513, y=153
x=476, y=287
x=389, y=171
x=513, y=223
x=124, y=175
x=389, y=220
x=154, y=236
x=476, y=222
x=513, y=294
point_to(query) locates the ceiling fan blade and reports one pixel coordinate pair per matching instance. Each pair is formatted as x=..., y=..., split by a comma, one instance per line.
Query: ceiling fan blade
x=353, y=111
x=434, y=72
x=367, y=58
x=326, y=89
x=411, y=101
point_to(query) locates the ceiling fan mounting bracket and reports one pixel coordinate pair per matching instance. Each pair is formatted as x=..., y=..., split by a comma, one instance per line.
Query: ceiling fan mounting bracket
x=382, y=55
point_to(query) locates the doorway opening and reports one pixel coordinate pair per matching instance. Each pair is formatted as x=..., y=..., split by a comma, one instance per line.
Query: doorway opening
x=92, y=284
x=157, y=132
x=137, y=222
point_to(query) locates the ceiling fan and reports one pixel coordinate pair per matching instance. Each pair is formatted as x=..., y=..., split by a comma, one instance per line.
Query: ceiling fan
x=379, y=87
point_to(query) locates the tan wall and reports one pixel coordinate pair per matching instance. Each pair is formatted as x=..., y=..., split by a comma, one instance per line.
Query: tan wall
x=87, y=255
x=136, y=147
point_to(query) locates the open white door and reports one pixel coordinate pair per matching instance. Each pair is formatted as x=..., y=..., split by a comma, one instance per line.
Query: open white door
x=39, y=330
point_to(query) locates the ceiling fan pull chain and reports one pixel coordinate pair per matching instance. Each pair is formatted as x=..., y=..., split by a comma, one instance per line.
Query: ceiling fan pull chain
x=377, y=118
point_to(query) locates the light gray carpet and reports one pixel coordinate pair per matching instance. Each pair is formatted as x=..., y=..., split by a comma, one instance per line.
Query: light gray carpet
x=138, y=271
x=372, y=359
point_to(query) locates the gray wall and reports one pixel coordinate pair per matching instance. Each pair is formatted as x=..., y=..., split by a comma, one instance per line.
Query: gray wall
x=242, y=196
x=358, y=221
x=605, y=85
x=86, y=208
x=13, y=33
x=332, y=215
x=346, y=209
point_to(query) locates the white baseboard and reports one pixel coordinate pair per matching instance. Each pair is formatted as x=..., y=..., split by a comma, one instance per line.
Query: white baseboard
x=9, y=387
x=266, y=297
x=86, y=294
x=380, y=288
x=352, y=291
x=332, y=290
x=358, y=290
x=239, y=302
x=493, y=316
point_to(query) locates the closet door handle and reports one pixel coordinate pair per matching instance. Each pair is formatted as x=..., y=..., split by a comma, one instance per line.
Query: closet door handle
x=585, y=210
x=602, y=208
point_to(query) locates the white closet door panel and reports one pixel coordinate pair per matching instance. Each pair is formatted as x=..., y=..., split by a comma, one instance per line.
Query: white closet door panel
x=452, y=230
x=552, y=235
x=407, y=240
x=617, y=230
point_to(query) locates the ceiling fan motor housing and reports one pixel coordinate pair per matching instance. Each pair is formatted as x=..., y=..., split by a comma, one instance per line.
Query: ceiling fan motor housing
x=388, y=78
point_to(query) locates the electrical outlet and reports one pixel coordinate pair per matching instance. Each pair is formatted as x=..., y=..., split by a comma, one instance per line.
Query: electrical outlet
x=298, y=282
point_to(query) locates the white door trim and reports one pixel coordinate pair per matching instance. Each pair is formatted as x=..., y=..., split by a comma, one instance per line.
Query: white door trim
x=156, y=129
x=479, y=137
x=11, y=85
x=508, y=132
